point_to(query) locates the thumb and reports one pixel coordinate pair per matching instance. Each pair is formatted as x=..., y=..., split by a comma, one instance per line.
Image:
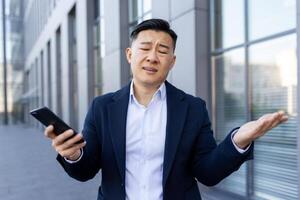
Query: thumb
x=49, y=132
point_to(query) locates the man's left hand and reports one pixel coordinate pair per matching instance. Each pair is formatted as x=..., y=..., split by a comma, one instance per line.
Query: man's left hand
x=255, y=129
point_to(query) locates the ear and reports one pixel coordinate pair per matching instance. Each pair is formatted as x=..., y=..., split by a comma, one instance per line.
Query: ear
x=173, y=62
x=128, y=52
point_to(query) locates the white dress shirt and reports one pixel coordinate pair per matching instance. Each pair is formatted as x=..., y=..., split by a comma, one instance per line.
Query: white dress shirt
x=145, y=144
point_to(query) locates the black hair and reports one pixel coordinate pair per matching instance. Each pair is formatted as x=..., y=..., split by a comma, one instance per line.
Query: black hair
x=153, y=24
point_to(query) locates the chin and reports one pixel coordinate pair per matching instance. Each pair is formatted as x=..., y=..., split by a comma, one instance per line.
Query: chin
x=152, y=83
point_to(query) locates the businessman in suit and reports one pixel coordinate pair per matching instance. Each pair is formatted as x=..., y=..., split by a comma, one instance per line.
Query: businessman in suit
x=151, y=140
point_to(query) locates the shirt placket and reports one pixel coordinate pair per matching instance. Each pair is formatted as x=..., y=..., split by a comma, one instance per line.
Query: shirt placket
x=143, y=158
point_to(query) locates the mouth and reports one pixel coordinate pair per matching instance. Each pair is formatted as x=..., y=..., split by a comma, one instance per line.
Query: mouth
x=150, y=69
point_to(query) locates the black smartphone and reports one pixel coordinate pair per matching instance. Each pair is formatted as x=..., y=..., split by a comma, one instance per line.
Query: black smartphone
x=47, y=117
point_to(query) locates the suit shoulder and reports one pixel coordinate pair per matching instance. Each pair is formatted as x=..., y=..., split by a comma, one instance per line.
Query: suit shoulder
x=103, y=99
x=195, y=100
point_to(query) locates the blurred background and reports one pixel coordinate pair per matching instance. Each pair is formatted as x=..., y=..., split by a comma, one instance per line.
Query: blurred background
x=239, y=55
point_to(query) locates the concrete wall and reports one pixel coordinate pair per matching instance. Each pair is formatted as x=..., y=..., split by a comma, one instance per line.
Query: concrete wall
x=115, y=67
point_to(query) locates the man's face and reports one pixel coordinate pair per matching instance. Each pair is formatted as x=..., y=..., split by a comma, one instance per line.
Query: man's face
x=151, y=57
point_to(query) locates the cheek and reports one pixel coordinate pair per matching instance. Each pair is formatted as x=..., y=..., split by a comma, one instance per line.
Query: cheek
x=136, y=57
x=167, y=66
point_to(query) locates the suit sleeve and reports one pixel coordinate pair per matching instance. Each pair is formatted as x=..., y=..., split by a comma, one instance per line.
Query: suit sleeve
x=90, y=163
x=211, y=163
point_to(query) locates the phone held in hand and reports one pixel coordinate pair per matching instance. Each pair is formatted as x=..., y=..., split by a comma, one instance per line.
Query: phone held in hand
x=47, y=118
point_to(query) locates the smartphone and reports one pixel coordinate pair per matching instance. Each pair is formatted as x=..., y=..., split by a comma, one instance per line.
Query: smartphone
x=47, y=117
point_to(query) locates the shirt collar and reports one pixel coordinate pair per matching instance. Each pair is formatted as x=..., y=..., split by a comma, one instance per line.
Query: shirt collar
x=160, y=92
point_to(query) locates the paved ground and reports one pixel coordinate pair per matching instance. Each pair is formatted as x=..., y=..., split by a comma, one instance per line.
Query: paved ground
x=29, y=170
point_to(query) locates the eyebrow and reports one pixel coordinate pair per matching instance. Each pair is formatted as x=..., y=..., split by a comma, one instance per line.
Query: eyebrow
x=161, y=45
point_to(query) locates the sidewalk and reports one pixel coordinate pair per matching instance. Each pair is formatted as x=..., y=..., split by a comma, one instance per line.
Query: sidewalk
x=29, y=170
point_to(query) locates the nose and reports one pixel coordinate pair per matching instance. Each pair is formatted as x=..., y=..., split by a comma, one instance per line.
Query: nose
x=152, y=57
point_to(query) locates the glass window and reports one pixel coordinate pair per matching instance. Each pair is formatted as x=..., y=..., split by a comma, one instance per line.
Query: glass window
x=1, y=91
x=274, y=82
x=230, y=97
x=97, y=49
x=73, y=69
x=49, y=71
x=58, y=73
x=229, y=28
x=147, y=6
x=269, y=17
x=139, y=10
x=42, y=75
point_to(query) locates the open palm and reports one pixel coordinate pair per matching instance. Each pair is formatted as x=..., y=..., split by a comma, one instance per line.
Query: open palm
x=257, y=128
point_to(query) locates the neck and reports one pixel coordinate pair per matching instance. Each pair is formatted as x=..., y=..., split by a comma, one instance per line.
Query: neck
x=144, y=94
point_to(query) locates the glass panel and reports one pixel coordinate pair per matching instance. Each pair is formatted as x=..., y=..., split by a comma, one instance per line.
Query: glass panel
x=97, y=60
x=1, y=91
x=274, y=82
x=133, y=10
x=230, y=105
x=58, y=73
x=229, y=32
x=147, y=5
x=73, y=69
x=102, y=36
x=277, y=15
x=147, y=16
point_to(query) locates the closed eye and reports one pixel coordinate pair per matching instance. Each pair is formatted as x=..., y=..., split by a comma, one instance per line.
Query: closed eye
x=145, y=49
x=163, y=52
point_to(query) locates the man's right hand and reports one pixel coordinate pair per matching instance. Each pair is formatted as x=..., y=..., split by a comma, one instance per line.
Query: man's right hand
x=65, y=144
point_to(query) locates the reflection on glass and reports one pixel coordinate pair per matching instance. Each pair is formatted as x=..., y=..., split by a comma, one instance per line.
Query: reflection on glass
x=276, y=15
x=1, y=93
x=147, y=5
x=133, y=10
x=73, y=73
x=139, y=10
x=102, y=29
x=274, y=87
x=229, y=23
x=147, y=16
x=98, y=46
x=230, y=102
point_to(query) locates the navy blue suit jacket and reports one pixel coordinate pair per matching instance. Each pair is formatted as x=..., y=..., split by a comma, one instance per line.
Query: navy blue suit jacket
x=191, y=153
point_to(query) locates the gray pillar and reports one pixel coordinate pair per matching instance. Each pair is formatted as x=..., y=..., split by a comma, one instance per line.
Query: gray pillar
x=203, y=64
x=116, y=71
x=191, y=22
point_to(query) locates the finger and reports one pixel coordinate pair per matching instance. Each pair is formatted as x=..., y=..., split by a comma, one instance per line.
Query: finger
x=63, y=137
x=266, y=122
x=70, y=151
x=49, y=132
x=279, y=118
x=70, y=142
x=280, y=121
x=284, y=119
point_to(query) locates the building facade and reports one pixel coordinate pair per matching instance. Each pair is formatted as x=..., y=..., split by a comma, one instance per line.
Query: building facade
x=240, y=56
x=11, y=61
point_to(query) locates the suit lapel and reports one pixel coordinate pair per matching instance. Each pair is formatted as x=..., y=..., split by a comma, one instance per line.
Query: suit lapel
x=176, y=114
x=117, y=114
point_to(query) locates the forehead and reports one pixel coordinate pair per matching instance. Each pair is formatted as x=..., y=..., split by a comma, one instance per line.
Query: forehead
x=154, y=36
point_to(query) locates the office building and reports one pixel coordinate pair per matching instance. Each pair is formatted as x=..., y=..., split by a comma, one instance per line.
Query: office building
x=238, y=55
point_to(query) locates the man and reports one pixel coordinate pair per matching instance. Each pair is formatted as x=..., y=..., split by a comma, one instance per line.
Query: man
x=150, y=139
